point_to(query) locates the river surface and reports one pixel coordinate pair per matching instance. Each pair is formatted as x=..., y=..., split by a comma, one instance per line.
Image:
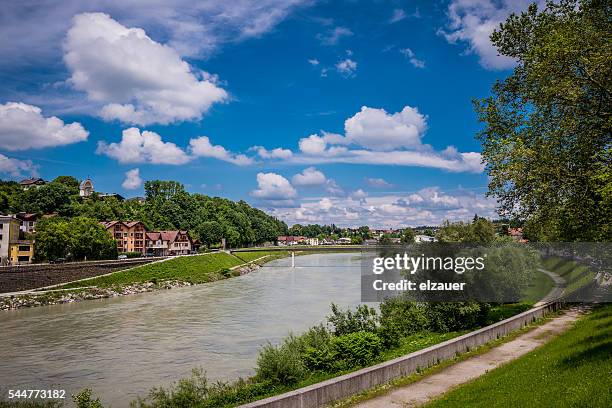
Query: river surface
x=122, y=347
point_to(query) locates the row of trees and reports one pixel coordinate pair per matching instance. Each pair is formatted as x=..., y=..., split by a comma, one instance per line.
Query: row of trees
x=166, y=206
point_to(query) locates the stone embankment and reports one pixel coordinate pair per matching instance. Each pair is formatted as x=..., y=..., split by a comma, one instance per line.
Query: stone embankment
x=54, y=297
x=58, y=296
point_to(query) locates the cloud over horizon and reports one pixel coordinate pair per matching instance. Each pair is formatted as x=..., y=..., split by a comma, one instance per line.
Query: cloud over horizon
x=23, y=127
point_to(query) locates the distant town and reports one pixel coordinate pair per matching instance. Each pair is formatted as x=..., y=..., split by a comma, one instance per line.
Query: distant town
x=18, y=231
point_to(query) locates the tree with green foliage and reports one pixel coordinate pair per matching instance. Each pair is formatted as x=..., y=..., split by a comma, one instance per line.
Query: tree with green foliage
x=408, y=236
x=480, y=231
x=90, y=240
x=77, y=238
x=52, y=239
x=68, y=181
x=49, y=198
x=385, y=239
x=547, y=136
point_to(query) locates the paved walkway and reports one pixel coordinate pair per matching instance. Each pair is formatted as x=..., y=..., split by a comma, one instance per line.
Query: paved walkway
x=556, y=291
x=435, y=385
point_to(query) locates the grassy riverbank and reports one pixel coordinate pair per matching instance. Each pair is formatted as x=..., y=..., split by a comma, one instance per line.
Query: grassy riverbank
x=576, y=275
x=172, y=273
x=193, y=269
x=572, y=370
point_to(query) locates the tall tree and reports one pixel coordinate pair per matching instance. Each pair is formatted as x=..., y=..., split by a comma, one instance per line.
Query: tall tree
x=547, y=136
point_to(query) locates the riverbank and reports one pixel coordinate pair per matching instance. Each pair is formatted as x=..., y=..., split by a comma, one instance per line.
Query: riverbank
x=169, y=274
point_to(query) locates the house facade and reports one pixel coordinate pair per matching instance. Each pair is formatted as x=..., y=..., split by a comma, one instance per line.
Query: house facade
x=13, y=249
x=21, y=252
x=27, y=222
x=32, y=183
x=287, y=240
x=130, y=235
x=165, y=243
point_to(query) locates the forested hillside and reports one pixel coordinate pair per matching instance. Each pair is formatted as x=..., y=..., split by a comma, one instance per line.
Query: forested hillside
x=166, y=206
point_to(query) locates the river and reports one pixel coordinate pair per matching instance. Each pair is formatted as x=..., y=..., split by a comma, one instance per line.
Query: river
x=122, y=347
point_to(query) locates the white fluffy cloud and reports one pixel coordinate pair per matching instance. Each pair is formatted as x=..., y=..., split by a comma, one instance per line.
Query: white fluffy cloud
x=346, y=67
x=132, y=179
x=373, y=136
x=16, y=168
x=378, y=130
x=136, y=79
x=274, y=187
x=277, y=153
x=143, y=147
x=202, y=147
x=473, y=21
x=309, y=177
x=24, y=127
x=429, y=206
x=313, y=145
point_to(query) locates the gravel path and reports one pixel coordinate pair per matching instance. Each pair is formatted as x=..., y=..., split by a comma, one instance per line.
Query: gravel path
x=435, y=385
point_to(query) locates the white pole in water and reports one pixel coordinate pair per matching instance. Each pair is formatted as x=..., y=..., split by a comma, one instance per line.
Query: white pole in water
x=293, y=259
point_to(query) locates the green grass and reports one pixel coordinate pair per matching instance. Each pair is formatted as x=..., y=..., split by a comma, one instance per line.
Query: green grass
x=538, y=288
x=194, y=269
x=572, y=370
x=576, y=276
x=253, y=255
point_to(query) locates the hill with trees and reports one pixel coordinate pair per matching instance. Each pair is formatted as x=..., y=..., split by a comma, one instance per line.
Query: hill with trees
x=166, y=206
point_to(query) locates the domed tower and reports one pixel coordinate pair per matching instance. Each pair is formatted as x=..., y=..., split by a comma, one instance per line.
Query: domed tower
x=86, y=188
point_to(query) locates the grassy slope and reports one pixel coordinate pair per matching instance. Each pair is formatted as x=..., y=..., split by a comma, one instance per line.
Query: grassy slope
x=195, y=269
x=575, y=275
x=253, y=255
x=541, y=285
x=572, y=370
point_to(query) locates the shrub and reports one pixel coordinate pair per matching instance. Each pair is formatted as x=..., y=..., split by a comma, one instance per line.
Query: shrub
x=344, y=352
x=364, y=318
x=84, y=400
x=187, y=393
x=445, y=317
x=400, y=317
x=356, y=349
x=281, y=364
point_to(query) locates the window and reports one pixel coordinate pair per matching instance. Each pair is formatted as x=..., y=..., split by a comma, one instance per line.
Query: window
x=24, y=248
x=1, y=226
x=25, y=258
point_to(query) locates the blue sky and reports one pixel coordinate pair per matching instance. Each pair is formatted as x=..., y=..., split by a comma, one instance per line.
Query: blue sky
x=367, y=103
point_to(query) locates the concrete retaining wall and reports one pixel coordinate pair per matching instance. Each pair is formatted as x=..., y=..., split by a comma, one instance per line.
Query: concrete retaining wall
x=344, y=386
x=25, y=277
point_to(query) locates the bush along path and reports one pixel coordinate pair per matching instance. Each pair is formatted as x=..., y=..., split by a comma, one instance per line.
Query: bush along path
x=435, y=385
x=167, y=274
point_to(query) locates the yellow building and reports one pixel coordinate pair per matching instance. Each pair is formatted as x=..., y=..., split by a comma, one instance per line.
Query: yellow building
x=21, y=252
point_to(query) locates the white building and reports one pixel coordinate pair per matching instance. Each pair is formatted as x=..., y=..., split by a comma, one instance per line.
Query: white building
x=424, y=238
x=312, y=241
x=86, y=188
